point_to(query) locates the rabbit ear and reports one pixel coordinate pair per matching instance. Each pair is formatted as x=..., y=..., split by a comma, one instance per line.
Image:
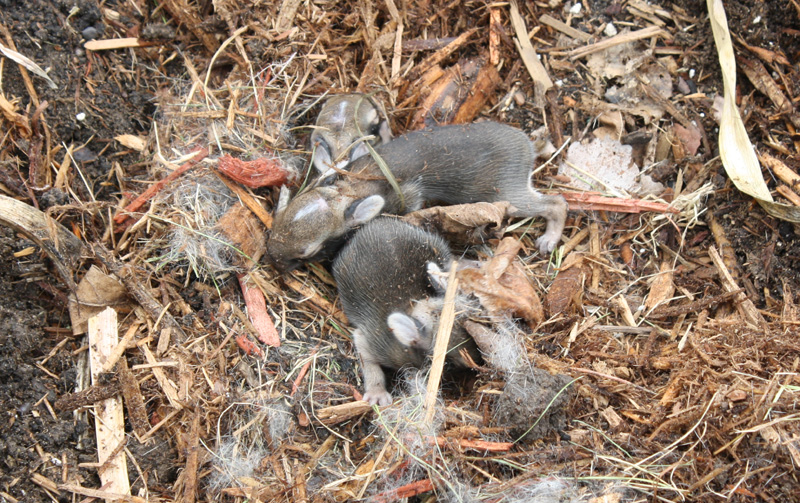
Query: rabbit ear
x=283, y=200
x=364, y=210
x=385, y=132
x=322, y=154
x=382, y=120
x=437, y=277
x=406, y=330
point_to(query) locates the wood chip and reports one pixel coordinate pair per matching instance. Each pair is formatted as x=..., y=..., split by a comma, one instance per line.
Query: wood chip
x=541, y=80
x=744, y=304
x=564, y=28
x=110, y=418
x=623, y=38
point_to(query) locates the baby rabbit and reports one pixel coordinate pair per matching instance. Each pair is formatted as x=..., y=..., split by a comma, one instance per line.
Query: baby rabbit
x=485, y=161
x=344, y=123
x=390, y=282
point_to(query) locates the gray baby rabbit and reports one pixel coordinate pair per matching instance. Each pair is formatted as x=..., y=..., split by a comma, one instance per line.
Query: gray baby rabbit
x=344, y=123
x=391, y=285
x=485, y=161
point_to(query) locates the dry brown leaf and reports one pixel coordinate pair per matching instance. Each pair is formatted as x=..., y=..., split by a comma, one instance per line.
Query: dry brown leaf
x=96, y=291
x=690, y=138
x=567, y=285
x=502, y=286
x=461, y=223
x=246, y=232
x=662, y=288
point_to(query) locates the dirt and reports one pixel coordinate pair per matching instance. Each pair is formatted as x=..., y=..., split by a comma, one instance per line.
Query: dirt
x=35, y=438
x=39, y=357
x=26, y=389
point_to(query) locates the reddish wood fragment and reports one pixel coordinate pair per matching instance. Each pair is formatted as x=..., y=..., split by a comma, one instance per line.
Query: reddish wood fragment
x=406, y=491
x=457, y=95
x=302, y=373
x=478, y=445
x=482, y=89
x=249, y=346
x=595, y=201
x=261, y=172
x=257, y=312
x=151, y=191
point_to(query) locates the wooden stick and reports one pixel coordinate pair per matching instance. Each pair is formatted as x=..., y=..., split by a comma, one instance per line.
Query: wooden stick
x=745, y=305
x=109, y=415
x=564, y=28
x=161, y=377
x=596, y=201
x=781, y=170
x=438, y=56
x=406, y=491
x=152, y=190
x=622, y=38
x=117, y=43
x=96, y=493
x=541, y=79
x=478, y=445
x=442, y=341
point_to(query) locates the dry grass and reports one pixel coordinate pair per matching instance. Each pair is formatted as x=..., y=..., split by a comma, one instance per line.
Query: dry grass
x=675, y=392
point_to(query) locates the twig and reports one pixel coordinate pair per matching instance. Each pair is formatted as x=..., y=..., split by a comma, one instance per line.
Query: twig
x=123, y=217
x=442, y=341
x=650, y=31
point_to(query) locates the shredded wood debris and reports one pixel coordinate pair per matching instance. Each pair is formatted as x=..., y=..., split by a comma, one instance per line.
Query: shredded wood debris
x=652, y=356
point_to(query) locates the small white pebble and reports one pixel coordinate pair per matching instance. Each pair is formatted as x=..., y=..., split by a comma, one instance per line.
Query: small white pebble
x=559, y=83
x=757, y=20
x=610, y=30
x=691, y=73
x=576, y=9
x=80, y=116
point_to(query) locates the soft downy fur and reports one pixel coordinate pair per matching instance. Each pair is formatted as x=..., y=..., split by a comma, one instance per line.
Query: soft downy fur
x=344, y=124
x=390, y=286
x=485, y=161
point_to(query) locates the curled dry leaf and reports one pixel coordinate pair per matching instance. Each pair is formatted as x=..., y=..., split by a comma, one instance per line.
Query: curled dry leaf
x=95, y=293
x=501, y=285
x=566, y=287
x=245, y=232
x=461, y=223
